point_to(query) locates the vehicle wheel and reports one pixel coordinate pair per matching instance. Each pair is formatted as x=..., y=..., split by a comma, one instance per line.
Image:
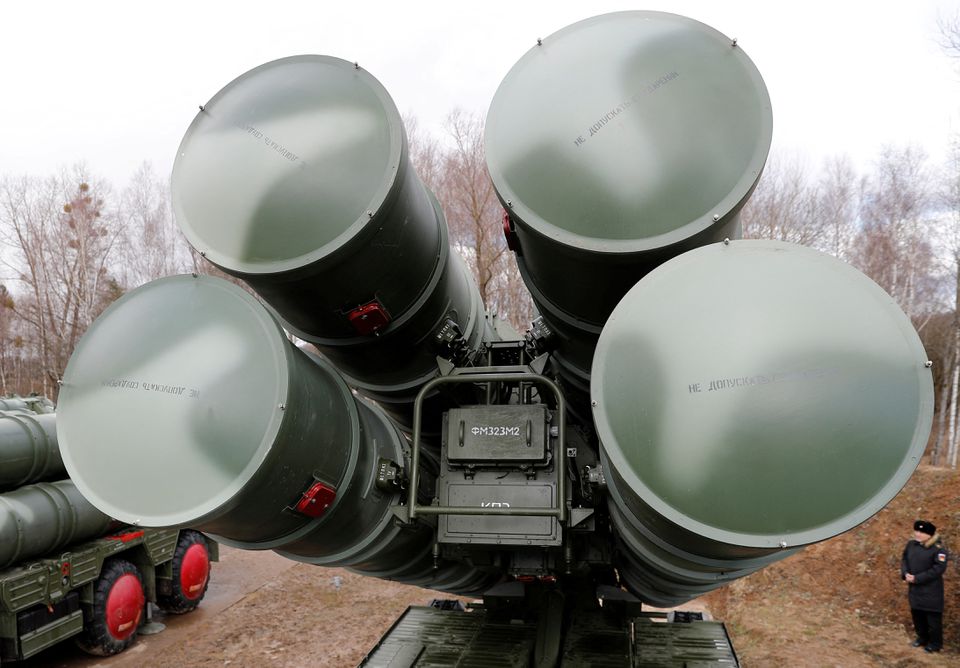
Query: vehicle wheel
x=118, y=604
x=191, y=574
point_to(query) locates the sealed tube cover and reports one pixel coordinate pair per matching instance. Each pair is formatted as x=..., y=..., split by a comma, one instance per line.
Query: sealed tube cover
x=171, y=400
x=282, y=166
x=761, y=394
x=628, y=132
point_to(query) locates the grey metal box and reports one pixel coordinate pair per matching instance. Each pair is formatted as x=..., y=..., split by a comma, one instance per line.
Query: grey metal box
x=492, y=489
x=502, y=434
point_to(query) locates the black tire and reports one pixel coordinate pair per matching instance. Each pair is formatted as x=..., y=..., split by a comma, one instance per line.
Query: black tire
x=110, y=626
x=191, y=575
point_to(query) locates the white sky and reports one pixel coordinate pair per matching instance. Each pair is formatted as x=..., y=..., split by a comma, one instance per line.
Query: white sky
x=115, y=83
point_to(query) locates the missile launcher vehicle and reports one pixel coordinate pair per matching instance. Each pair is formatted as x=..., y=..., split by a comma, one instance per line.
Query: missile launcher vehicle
x=66, y=568
x=688, y=407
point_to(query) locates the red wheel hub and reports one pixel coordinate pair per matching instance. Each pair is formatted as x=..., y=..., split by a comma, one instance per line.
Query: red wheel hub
x=194, y=570
x=124, y=606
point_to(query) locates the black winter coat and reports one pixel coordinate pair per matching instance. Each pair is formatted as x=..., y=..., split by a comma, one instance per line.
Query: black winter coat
x=927, y=562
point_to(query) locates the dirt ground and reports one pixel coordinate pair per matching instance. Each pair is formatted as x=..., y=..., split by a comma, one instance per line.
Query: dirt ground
x=264, y=610
x=842, y=603
x=839, y=603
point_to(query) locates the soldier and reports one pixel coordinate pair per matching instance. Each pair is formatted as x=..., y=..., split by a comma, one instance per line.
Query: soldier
x=922, y=567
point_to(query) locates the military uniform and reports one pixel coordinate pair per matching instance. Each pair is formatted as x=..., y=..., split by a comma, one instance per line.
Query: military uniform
x=926, y=561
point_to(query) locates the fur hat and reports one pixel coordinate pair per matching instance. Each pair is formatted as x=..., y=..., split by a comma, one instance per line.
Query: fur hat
x=925, y=527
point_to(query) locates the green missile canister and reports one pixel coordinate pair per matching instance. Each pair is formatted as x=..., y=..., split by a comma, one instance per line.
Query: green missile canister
x=43, y=517
x=296, y=177
x=752, y=397
x=245, y=436
x=28, y=449
x=14, y=404
x=32, y=403
x=615, y=144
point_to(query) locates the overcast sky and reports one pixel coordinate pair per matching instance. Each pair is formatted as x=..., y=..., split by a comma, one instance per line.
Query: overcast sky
x=114, y=84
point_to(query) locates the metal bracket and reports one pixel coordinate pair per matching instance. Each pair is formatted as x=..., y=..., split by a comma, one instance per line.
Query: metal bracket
x=595, y=475
x=402, y=513
x=445, y=366
x=580, y=515
x=488, y=375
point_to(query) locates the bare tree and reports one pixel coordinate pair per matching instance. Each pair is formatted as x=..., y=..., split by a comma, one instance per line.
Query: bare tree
x=939, y=340
x=784, y=205
x=789, y=205
x=153, y=245
x=949, y=29
x=62, y=238
x=425, y=153
x=949, y=385
x=894, y=246
x=457, y=174
x=948, y=438
x=6, y=316
x=838, y=197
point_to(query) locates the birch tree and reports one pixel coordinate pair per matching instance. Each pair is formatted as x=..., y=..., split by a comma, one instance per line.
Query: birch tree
x=791, y=205
x=939, y=340
x=838, y=203
x=894, y=245
x=783, y=206
x=152, y=244
x=6, y=316
x=949, y=377
x=61, y=239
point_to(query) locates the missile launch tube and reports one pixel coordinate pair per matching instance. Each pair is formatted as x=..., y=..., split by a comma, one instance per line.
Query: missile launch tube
x=751, y=398
x=14, y=404
x=615, y=144
x=28, y=449
x=31, y=404
x=296, y=177
x=245, y=436
x=40, y=518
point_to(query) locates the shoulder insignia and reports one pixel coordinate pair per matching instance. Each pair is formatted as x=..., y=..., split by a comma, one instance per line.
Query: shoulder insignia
x=941, y=556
